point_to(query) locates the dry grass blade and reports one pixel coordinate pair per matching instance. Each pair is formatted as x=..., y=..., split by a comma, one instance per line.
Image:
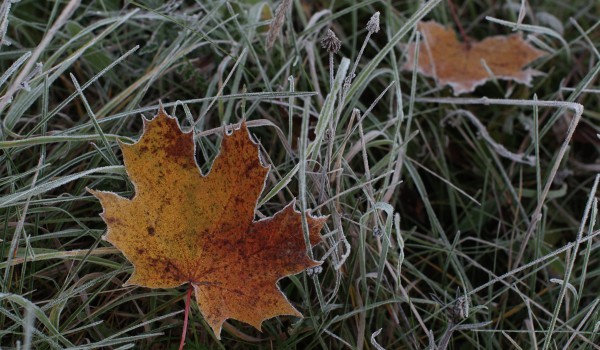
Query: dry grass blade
x=277, y=23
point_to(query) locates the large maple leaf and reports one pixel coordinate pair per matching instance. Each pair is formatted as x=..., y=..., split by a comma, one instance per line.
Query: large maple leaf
x=463, y=65
x=183, y=227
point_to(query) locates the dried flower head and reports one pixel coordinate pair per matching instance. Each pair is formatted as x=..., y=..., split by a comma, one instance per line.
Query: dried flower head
x=330, y=42
x=373, y=24
x=460, y=309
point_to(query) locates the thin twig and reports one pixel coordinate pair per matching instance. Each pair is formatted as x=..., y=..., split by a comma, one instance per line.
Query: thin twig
x=372, y=27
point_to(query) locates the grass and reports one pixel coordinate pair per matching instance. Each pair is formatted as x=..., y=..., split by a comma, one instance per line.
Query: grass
x=435, y=238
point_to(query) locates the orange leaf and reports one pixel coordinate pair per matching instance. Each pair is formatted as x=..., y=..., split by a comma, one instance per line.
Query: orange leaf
x=461, y=66
x=182, y=227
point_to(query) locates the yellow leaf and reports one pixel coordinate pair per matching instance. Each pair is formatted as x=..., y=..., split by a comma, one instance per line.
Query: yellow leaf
x=182, y=227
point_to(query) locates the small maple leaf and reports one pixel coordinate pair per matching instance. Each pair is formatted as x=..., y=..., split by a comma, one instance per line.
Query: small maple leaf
x=461, y=66
x=183, y=227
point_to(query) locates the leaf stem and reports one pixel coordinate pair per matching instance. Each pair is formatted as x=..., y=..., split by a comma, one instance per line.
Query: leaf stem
x=186, y=315
x=461, y=30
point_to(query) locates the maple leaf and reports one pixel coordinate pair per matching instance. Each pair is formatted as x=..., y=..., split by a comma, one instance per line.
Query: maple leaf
x=460, y=65
x=183, y=227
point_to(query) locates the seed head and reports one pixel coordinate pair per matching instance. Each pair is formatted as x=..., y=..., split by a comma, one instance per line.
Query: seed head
x=373, y=24
x=277, y=23
x=330, y=42
x=311, y=271
x=377, y=232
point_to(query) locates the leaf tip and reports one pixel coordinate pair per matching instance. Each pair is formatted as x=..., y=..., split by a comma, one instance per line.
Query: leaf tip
x=315, y=223
x=244, y=126
x=161, y=108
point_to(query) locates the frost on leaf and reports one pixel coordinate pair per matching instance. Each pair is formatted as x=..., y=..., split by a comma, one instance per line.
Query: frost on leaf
x=463, y=66
x=182, y=227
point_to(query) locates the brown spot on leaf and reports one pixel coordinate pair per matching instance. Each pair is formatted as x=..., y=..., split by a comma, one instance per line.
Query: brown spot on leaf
x=111, y=220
